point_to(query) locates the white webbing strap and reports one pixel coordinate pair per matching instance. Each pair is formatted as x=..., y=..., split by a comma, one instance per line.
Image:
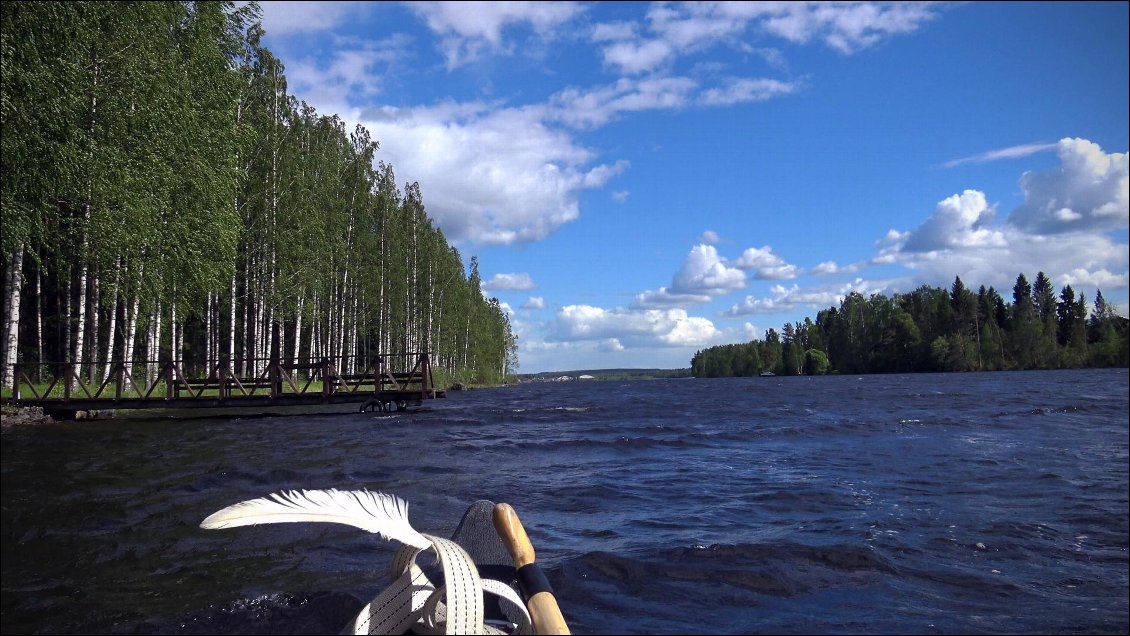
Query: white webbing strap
x=456, y=607
x=511, y=605
x=396, y=608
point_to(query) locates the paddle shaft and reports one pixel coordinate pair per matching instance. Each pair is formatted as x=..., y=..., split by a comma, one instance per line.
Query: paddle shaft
x=544, y=611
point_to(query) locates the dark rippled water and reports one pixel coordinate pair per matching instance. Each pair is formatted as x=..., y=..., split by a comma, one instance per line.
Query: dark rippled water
x=961, y=503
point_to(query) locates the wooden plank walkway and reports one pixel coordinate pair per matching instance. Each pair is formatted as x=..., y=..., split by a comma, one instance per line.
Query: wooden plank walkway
x=278, y=385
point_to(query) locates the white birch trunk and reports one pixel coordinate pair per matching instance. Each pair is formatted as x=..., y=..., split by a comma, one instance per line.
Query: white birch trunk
x=231, y=321
x=68, y=324
x=208, y=350
x=95, y=300
x=341, y=307
x=260, y=318
x=111, y=337
x=413, y=318
x=245, y=311
x=83, y=296
x=312, y=346
x=353, y=353
x=297, y=333
x=270, y=322
x=9, y=268
x=154, y=344
x=381, y=316
x=85, y=229
x=14, y=285
x=174, y=331
x=38, y=319
x=130, y=338
x=315, y=330
x=432, y=338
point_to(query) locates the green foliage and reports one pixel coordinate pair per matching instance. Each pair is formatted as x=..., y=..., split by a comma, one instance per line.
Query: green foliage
x=932, y=329
x=155, y=145
x=816, y=362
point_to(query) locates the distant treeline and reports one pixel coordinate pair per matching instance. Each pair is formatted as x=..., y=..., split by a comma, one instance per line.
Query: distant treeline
x=932, y=329
x=609, y=374
x=164, y=197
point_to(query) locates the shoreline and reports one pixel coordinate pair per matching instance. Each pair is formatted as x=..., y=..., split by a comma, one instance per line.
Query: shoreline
x=22, y=415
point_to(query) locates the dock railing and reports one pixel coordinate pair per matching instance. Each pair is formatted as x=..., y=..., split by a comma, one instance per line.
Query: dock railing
x=150, y=383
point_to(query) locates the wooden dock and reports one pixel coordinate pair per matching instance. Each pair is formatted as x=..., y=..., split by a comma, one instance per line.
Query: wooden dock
x=388, y=383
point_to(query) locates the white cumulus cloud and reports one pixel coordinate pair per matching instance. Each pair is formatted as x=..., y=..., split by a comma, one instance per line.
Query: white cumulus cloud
x=705, y=272
x=957, y=222
x=633, y=328
x=672, y=31
x=470, y=29
x=766, y=264
x=1090, y=191
x=1062, y=228
x=788, y=298
x=288, y=18
x=483, y=182
x=664, y=298
x=510, y=282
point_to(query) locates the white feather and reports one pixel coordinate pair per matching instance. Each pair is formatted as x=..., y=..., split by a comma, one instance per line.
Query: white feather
x=385, y=515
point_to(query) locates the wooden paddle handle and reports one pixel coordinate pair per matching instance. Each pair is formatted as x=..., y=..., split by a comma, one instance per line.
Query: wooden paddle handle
x=544, y=611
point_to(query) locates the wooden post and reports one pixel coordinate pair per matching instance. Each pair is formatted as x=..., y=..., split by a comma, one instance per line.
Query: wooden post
x=225, y=388
x=68, y=381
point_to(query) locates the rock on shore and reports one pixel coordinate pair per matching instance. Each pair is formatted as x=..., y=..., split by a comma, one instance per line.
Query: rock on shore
x=14, y=415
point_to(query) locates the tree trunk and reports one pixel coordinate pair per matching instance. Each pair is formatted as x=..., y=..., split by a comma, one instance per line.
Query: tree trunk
x=294, y=359
x=231, y=322
x=14, y=285
x=68, y=324
x=95, y=300
x=313, y=348
x=208, y=350
x=174, y=330
x=84, y=229
x=269, y=323
x=153, y=345
x=83, y=296
x=131, y=336
x=381, y=314
x=342, y=311
x=111, y=336
x=38, y=322
x=246, y=317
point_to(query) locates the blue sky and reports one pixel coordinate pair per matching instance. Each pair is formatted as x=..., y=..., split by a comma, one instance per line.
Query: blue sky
x=643, y=180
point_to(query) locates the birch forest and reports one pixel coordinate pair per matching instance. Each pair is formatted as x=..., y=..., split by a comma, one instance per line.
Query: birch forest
x=165, y=198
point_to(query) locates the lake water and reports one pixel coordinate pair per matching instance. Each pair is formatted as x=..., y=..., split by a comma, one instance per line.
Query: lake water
x=953, y=503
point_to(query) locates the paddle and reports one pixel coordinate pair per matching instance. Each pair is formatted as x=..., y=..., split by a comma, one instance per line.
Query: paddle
x=544, y=611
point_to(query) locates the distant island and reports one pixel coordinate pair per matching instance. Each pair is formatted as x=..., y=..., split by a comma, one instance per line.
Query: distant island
x=604, y=374
x=931, y=329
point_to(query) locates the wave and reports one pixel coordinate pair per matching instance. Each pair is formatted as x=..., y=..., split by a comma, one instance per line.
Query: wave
x=780, y=569
x=277, y=613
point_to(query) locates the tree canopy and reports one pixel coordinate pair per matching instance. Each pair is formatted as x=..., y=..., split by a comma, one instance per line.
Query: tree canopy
x=932, y=329
x=165, y=197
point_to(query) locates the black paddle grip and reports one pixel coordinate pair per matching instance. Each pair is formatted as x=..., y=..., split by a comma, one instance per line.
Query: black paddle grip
x=532, y=580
